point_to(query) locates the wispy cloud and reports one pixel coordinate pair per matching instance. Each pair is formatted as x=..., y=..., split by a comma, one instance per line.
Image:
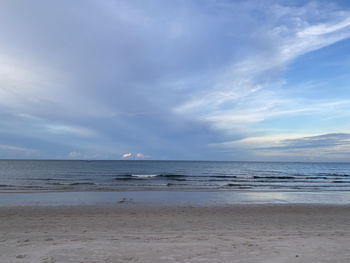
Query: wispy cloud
x=250, y=90
x=66, y=129
x=262, y=107
x=296, y=147
x=320, y=147
x=13, y=148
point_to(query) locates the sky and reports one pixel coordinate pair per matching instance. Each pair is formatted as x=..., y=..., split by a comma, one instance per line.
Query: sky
x=175, y=79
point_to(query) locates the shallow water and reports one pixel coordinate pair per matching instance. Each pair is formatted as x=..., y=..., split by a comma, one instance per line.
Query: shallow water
x=172, y=198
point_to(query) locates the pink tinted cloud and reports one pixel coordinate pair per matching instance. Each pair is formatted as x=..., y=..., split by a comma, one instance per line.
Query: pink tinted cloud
x=127, y=155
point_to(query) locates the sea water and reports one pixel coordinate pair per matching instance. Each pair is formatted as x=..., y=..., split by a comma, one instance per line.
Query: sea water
x=220, y=181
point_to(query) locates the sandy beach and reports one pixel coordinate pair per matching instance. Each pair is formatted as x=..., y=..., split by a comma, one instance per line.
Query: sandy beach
x=134, y=233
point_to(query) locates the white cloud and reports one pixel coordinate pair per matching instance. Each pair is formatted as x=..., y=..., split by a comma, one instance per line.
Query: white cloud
x=74, y=155
x=322, y=29
x=140, y=155
x=126, y=155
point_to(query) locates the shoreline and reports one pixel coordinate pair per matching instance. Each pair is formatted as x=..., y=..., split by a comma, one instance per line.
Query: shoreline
x=198, y=198
x=183, y=233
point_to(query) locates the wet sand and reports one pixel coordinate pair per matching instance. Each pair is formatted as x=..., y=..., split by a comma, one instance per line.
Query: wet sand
x=159, y=233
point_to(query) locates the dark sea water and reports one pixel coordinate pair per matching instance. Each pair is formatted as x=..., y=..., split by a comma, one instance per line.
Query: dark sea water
x=41, y=176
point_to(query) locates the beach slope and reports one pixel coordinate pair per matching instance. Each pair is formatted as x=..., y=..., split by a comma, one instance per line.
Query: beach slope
x=132, y=233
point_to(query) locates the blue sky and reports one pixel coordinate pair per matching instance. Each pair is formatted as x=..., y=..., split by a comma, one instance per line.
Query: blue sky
x=192, y=80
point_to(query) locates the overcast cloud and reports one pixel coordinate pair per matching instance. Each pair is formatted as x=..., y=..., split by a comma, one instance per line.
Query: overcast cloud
x=173, y=79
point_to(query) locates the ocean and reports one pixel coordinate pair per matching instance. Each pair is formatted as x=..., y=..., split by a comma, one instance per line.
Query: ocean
x=54, y=176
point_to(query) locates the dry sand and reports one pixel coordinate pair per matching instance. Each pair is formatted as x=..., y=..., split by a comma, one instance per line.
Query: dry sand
x=132, y=233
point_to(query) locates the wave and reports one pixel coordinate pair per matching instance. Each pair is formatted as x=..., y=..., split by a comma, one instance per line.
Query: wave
x=145, y=180
x=240, y=186
x=124, y=176
x=222, y=176
x=300, y=178
x=274, y=177
x=144, y=175
x=82, y=184
x=339, y=182
x=147, y=176
x=54, y=179
x=73, y=184
x=7, y=185
x=334, y=174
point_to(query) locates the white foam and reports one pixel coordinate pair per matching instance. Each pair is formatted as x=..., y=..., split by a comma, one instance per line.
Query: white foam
x=144, y=175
